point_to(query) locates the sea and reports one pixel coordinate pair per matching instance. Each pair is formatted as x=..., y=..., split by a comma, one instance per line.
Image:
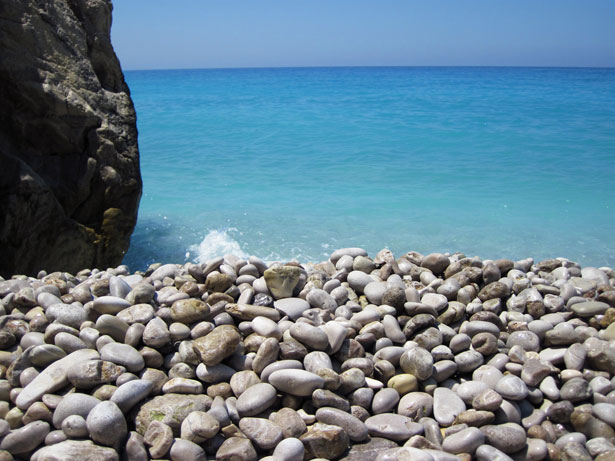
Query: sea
x=293, y=163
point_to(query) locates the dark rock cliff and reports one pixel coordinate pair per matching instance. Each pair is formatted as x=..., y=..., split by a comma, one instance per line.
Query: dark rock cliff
x=70, y=183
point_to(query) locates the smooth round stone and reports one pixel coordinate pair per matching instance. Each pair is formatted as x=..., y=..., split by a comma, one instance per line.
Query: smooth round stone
x=315, y=361
x=189, y=311
x=508, y=437
x=129, y=394
x=487, y=400
x=320, y=299
x=403, y=383
x=26, y=438
x=263, y=433
x=241, y=380
x=384, y=400
x=418, y=362
x=459, y=343
x=447, y=406
x=110, y=305
x=184, y=450
x=589, y=308
x=256, y=399
x=216, y=373
x=182, y=386
x=415, y=405
x=217, y=345
x=355, y=428
x=549, y=388
x=374, y=292
x=351, y=252
x=311, y=336
x=536, y=450
x=137, y=313
x=393, y=427
x=122, y=354
x=4, y=427
x=468, y=361
x=576, y=390
x=106, y=424
x=73, y=404
x=470, y=389
x=480, y=326
x=199, y=426
x=437, y=301
x=156, y=333
x=111, y=325
x=570, y=437
x=266, y=327
x=44, y=354
x=292, y=307
x=512, y=387
x=66, y=314
x=289, y=449
x=509, y=412
x=464, y=441
x=598, y=445
x=489, y=453
x=443, y=370
x=280, y=365
x=605, y=412
x=601, y=385
x=74, y=426
x=69, y=342
x=359, y=280
x=574, y=358
x=296, y=382
x=526, y=339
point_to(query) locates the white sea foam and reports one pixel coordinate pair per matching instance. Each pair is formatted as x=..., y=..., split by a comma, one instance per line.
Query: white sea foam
x=216, y=243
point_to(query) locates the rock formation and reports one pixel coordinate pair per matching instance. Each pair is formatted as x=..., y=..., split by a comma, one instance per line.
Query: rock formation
x=70, y=183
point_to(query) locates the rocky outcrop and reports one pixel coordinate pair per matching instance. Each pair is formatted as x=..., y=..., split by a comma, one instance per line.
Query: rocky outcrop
x=70, y=183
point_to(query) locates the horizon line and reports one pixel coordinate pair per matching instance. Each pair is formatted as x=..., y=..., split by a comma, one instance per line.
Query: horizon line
x=367, y=66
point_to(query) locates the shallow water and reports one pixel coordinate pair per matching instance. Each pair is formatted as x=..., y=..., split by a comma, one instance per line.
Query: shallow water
x=293, y=163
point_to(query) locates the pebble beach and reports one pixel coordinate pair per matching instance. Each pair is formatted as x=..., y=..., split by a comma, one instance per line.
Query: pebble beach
x=436, y=357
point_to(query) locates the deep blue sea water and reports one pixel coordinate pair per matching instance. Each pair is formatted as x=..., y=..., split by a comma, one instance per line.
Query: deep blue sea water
x=294, y=163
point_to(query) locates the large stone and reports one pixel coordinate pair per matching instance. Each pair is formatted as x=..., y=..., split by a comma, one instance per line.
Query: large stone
x=325, y=441
x=26, y=438
x=53, y=377
x=106, y=424
x=70, y=450
x=189, y=310
x=70, y=182
x=170, y=409
x=74, y=404
x=217, y=345
x=282, y=280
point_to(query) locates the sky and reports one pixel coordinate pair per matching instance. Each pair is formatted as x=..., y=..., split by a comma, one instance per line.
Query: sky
x=160, y=34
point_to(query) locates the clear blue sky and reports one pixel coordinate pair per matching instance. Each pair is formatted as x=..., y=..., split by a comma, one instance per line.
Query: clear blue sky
x=162, y=34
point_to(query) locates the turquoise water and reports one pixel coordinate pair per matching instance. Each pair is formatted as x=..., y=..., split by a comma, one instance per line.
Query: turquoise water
x=293, y=163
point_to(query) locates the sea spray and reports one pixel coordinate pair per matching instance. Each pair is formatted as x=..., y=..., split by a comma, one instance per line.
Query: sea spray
x=215, y=243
